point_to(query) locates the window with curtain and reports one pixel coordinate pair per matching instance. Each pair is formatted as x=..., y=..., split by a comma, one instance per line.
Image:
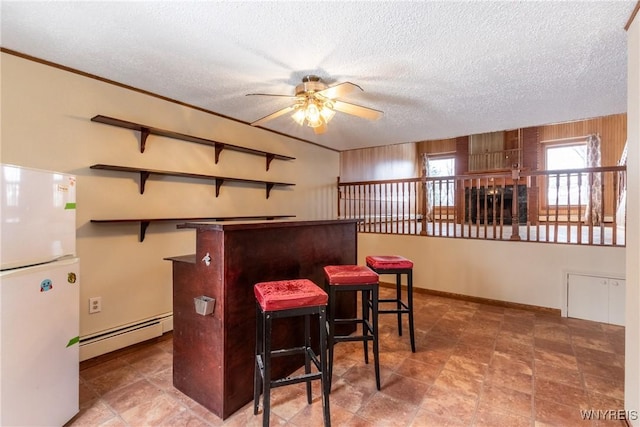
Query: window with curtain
x=566, y=191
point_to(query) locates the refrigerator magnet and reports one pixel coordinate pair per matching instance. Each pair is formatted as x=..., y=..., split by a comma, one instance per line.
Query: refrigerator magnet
x=46, y=285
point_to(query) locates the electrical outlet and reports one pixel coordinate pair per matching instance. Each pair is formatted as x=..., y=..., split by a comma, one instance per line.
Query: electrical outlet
x=95, y=305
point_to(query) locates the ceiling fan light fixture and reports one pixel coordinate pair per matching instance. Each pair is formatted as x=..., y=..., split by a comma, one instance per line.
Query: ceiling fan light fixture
x=312, y=113
x=327, y=112
x=299, y=116
x=316, y=103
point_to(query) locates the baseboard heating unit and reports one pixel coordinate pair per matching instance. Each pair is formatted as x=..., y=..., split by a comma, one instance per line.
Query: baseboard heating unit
x=103, y=342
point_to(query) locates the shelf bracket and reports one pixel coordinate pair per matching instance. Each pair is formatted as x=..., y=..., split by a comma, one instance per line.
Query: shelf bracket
x=143, y=230
x=219, y=148
x=269, y=187
x=144, y=134
x=270, y=158
x=218, y=185
x=144, y=175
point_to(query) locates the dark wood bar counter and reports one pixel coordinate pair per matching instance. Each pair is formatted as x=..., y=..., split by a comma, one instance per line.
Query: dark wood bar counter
x=213, y=355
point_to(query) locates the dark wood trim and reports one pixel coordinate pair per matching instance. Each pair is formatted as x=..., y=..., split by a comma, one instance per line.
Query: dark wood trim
x=189, y=259
x=145, y=131
x=506, y=304
x=155, y=95
x=493, y=174
x=219, y=180
x=201, y=227
x=144, y=222
x=633, y=16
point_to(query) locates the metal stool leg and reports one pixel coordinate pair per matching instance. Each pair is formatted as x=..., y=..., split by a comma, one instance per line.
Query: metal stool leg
x=307, y=354
x=374, y=321
x=365, y=327
x=324, y=366
x=410, y=304
x=266, y=386
x=399, y=301
x=332, y=332
x=257, y=367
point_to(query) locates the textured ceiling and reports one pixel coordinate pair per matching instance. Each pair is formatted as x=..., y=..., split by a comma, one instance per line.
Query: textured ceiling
x=436, y=69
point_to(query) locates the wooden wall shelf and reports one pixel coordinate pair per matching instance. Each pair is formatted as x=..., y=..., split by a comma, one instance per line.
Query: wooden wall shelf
x=145, y=131
x=144, y=222
x=219, y=180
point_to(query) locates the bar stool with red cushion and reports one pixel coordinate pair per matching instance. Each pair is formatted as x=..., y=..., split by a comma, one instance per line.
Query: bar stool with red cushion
x=345, y=278
x=289, y=298
x=393, y=264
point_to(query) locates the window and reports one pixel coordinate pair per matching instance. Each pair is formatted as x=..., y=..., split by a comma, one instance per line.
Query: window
x=441, y=192
x=564, y=189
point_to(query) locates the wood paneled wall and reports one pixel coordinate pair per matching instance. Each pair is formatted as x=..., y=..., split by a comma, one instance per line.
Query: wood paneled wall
x=612, y=130
x=393, y=161
x=530, y=138
x=378, y=163
x=437, y=146
x=462, y=154
x=613, y=135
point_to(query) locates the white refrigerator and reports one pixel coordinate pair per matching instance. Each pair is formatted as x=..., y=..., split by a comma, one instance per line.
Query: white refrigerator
x=39, y=298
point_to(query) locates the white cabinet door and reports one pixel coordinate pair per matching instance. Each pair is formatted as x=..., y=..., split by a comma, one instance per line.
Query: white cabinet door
x=616, y=301
x=588, y=298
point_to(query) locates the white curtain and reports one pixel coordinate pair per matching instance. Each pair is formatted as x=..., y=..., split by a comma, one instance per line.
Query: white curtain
x=428, y=188
x=593, y=212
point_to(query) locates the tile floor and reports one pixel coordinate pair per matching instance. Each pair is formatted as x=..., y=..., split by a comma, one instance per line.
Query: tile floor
x=475, y=365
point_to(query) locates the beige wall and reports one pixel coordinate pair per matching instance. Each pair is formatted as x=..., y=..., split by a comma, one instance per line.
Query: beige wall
x=632, y=346
x=518, y=272
x=46, y=124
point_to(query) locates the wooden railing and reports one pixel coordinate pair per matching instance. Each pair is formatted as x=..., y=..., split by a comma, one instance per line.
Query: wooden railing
x=578, y=206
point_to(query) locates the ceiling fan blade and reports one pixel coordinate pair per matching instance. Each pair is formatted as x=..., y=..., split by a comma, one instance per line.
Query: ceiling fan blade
x=339, y=90
x=320, y=129
x=357, y=110
x=272, y=116
x=270, y=94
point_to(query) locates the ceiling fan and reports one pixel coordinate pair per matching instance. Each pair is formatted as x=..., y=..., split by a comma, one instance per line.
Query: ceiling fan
x=315, y=104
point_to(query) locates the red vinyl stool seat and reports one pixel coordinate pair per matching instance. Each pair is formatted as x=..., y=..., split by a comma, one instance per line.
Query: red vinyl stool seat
x=289, y=298
x=344, y=278
x=393, y=264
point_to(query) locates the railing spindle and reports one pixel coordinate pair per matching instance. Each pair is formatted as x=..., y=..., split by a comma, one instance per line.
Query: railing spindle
x=568, y=225
x=614, y=203
x=556, y=215
x=580, y=213
x=589, y=208
x=485, y=198
x=602, y=200
x=528, y=207
x=397, y=198
x=515, y=207
x=502, y=189
x=470, y=215
x=399, y=206
x=477, y=207
x=448, y=195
